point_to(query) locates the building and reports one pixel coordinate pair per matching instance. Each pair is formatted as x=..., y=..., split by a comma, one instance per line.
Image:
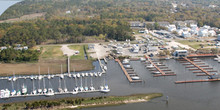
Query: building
x=212, y=33
x=203, y=33
x=137, y=24
x=163, y=24
x=171, y=28
x=180, y=53
x=186, y=34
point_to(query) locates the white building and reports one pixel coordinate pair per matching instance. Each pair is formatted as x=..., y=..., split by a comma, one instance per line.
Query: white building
x=186, y=34
x=171, y=28
x=218, y=38
x=180, y=53
x=212, y=33
x=203, y=33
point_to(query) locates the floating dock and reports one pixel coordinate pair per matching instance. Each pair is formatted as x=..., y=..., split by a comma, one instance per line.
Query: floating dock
x=126, y=73
x=158, y=69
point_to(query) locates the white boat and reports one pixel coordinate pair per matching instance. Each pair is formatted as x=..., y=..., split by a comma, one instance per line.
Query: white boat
x=156, y=72
x=91, y=74
x=34, y=92
x=125, y=61
x=13, y=92
x=44, y=90
x=86, y=74
x=158, y=63
x=105, y=68
x=49, y=77
x=74, y=75
x=99, y=74
x=150, y=66
x=65, y=88
x=75, y=92
x=18, y=93
x=95, y=74
x=69, y=75
x=32, y=77
x=219, y=60
x=76, y=88
x=91, y=88
x=86, y=88
x=127, y=66
x=60, y=88
x=216, y=59
x=61, y=76
x=50, y=92
x=167, y=58
x=104, y=89
x=14, y=78
x=39, y=91
x=52, y=76
x=78, y=75
x=82, y=74
x=81, y=86
x=9, y=78
x=6, y=93
x=142, y=59
x=2, y=93
x=24, y=89
x=135, y=77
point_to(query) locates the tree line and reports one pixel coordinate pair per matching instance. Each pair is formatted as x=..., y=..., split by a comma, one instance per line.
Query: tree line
x=12, y=55
x=61, y=30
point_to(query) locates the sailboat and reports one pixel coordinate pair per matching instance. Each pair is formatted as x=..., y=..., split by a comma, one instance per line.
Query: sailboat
x=91, y=87
x=76, y=88
x=14, y=78
x=91, y=74
x=105, y=88
x=34, y=91
x=78, y=75
x=24, y=89
x=6, y=93
x=95, y=74
x=65, y=88
x=81, y=87
x=86, y=87
x=13, y=92
x=45, y=89
x=40, y=77
x=61, y=75
x=50, y=91
x=86, y=74
x=82, y=74
x=59, y=88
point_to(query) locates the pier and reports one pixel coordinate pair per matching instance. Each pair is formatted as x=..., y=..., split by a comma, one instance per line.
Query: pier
x=126, y=73
x=199, y=69
x=162, y=73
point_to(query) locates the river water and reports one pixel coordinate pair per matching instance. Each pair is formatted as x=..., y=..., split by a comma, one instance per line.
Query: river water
x=203, y=96
x=5, y=4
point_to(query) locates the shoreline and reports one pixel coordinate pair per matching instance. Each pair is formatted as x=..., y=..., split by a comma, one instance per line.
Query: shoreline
x=78, y=102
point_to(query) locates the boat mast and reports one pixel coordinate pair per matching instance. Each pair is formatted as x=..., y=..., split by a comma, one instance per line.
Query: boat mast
x=39, y=76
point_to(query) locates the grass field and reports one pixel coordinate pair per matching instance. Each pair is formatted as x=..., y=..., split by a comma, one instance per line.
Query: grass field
x=80, y=48
x=51, y=52
x=193, y=44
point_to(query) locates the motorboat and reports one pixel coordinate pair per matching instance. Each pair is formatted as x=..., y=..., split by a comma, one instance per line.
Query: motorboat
x=61, y=76
x=104, y=89
x=32, y=77
x=39, y=90
x=150, y=66
x=127, y=66
x=125, y=61
x=156, y=72
x=92, y=88
x=81, y=89
x=135, y=77
x=45, y=91
x=75, y=92
x=74, y=75
x=34, y=92
x=65, y=90
x=142, y=59
x=60, y=90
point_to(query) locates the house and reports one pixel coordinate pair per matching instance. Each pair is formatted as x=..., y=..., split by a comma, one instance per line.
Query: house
x=212, y=33
x=179, y=32
x=218, y=37
x=137, y=24
x=3, y=48
x=203, y=33
x=186, y=34
x=163, y=24
x=180, y=53
x=171, y=28
x=180, y=24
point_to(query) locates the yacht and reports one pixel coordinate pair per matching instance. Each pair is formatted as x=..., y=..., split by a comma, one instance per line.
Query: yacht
x=23, y=89
x=39, y=91
x=34, y=91
x=32, y=77
x=91, y=88
x=105, y=89
x=74, y=75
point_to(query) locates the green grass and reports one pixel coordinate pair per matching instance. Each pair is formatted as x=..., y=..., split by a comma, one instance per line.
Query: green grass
x=79, y=48
x=193, y=44
x=49, y=52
